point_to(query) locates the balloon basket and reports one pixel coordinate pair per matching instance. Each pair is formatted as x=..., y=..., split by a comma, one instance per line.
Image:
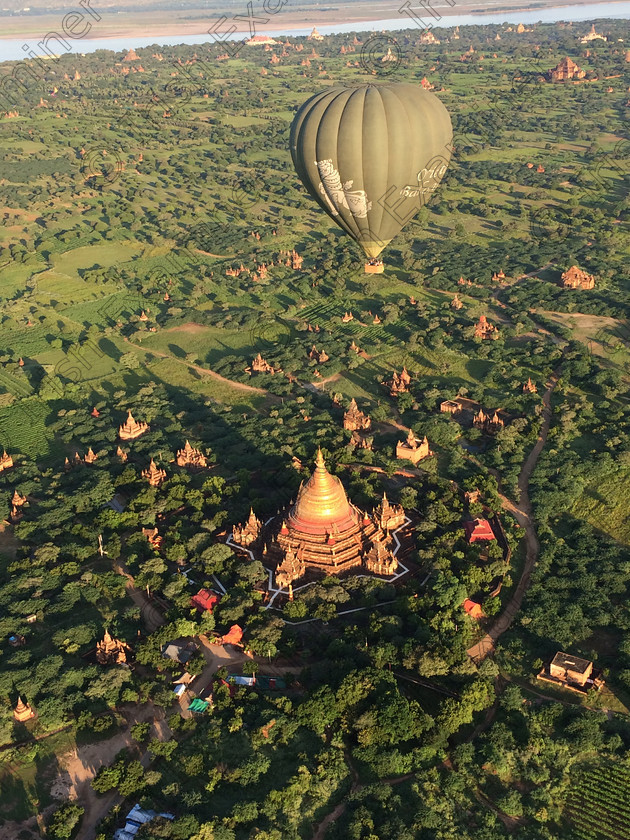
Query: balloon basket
x=374, y=267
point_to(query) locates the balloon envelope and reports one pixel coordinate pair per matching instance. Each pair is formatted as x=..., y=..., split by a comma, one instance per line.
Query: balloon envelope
x=371, y=156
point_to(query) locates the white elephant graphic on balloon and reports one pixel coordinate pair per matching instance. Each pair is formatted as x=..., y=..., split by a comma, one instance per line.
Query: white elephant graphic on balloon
x=337, y=194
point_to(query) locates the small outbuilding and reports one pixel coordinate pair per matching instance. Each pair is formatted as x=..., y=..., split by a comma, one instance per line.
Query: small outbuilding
x=136, y=818
x=198, y=706
x=572, y=672
x=205, y=600
x=234, y=636
x=473, y=609
x=178, y=651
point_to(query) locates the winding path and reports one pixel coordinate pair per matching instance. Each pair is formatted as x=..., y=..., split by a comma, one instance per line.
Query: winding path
x=333, y=816
x=153, y=617
x=239, y=386
x=524, y=516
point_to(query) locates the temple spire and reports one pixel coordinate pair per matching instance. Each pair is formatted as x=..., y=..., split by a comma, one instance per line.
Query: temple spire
x=321, y=502
x=23, y=711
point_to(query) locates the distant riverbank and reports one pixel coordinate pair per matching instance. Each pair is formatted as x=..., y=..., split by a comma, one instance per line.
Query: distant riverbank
x=119, y=31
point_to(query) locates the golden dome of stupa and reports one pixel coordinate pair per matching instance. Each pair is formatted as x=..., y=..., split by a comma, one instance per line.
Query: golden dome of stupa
x=322, y=506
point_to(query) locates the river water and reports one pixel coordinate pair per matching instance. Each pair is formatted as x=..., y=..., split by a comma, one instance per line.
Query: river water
x=12, y=49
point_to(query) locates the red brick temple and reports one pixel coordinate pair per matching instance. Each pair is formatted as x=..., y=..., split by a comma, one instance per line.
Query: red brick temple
x=413, y=449
x=111, y=651
x=154, y=474
x=132, y=428
x=566, y=70
x=529, y=387
x=248, y=533
x=190, y=457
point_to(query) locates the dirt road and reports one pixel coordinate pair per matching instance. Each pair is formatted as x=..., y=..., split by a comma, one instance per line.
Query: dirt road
x=322, y=827
x=218, y=656
x=151, y=614
x=81, y=765
x=524, y=516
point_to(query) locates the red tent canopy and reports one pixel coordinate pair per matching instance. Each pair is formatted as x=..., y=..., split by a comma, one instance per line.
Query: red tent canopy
x=204, y=600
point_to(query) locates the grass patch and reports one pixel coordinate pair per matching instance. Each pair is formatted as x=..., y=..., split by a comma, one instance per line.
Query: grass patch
x=208, y=344
x=25, y=780
x=604, y=503
x=102, y=255
x=181, y=375
x=23, y=427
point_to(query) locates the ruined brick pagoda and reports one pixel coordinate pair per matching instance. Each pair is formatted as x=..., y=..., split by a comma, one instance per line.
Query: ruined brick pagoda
x=484, y=329
x=354, y=419
x=399, y=383
x=319, y=356
x=487, y=423
x=529, y=387
x=576, y=278
x=6, y=461
x=23, y=711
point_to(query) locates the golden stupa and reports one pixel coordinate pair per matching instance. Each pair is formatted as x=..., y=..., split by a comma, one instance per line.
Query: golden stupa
x=322, y=505
x=324, y=533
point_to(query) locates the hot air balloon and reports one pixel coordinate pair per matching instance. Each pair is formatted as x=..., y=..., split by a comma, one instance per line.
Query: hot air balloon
x=371, y=156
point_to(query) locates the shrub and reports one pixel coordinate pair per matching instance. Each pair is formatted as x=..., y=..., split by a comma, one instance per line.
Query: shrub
x=65, y=821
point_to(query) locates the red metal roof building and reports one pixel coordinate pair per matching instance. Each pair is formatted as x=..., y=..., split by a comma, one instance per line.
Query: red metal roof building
x=477, y=530
x=473, y=608
x=205, y=600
